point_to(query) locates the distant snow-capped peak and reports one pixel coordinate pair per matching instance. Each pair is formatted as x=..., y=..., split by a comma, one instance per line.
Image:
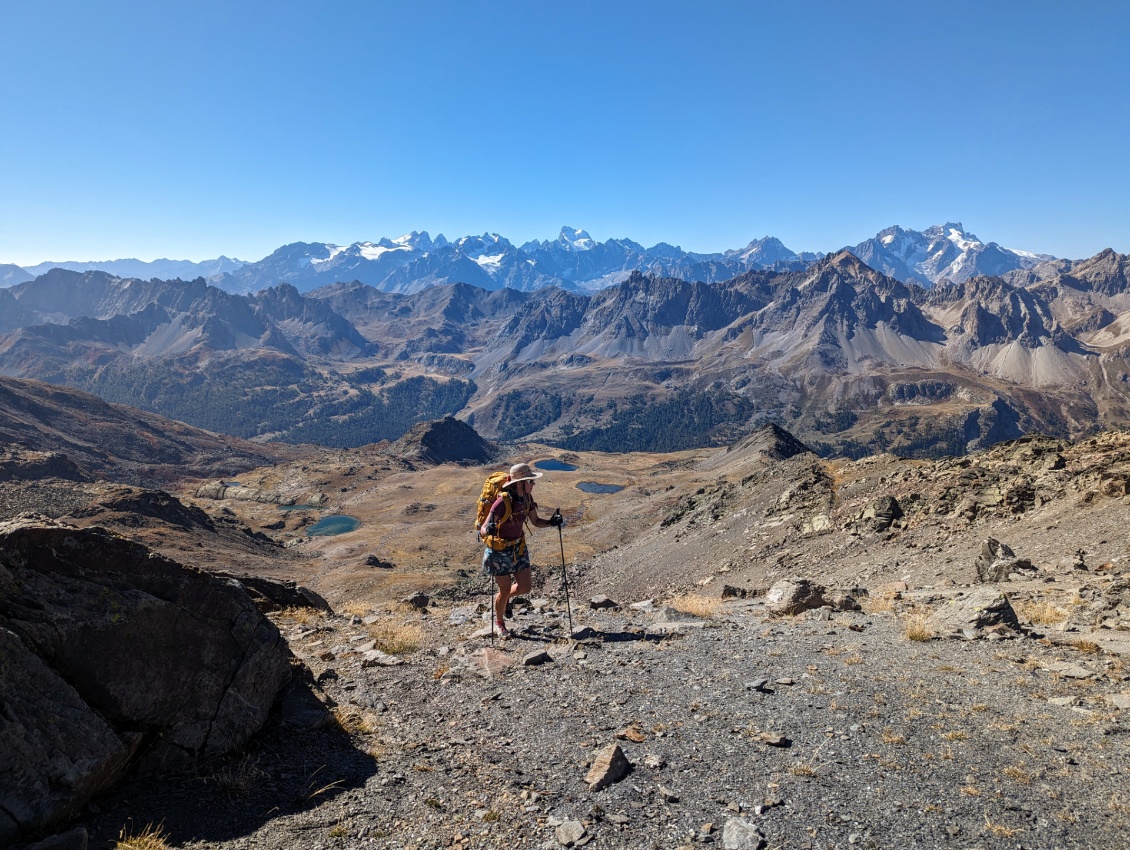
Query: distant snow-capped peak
x=574, y=239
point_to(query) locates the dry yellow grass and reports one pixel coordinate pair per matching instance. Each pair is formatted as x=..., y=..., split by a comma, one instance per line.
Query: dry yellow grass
x=999, y=830
x=1087, y=646
x=1018, y=773
x=1040, y=613
x=352, y=720
x=397, y=637
x=357, y=608
x=955, y=735
x=892, y=737
x=150, y=838
x=915, y=628
x=302, y=616
x=697, y=605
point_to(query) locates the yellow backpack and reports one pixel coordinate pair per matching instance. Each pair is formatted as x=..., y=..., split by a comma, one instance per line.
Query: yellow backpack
x=492, y=488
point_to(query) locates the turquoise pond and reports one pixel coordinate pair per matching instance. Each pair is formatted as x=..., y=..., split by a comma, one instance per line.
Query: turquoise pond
x=594, y=487
x=552, y=465
x=334, y=524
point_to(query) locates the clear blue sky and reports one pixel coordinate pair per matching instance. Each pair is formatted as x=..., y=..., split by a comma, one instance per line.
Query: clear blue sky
x=161, y=128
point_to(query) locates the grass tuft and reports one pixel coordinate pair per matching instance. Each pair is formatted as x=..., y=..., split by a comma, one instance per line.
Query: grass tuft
x=697, y=605
x=240, y=778
x=397, y=637
x=354, y=721
x=915, y=627
x=1041, y=613
x=150, y=838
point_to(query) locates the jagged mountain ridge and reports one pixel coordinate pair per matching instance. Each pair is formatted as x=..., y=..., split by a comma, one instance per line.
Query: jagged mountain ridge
x=846, y=356
x=573, y=261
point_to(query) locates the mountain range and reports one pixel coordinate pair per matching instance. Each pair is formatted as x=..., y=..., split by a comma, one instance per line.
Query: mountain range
x=847, y=357
x=573, y=261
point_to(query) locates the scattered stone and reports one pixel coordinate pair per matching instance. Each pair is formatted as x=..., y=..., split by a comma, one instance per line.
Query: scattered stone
x=619, y=820
x=491, y=662
x=1120, y=701
x=998, y=563
x=598, y=602
x=377, y=658
x=610, y=765
x=1068, y=670
x=880, y=513
x=374, y=561
x=731, y=592
x=654, y=762
x=790, y=597
x=632, y=733
x=759, y=685
x=645, y=605
x=536, y=658
x=772, y=739
x=570, y=833
x=667, y=794
x=740, y=834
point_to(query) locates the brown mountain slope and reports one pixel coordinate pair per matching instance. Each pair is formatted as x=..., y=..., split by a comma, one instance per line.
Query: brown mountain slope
x=118, y=442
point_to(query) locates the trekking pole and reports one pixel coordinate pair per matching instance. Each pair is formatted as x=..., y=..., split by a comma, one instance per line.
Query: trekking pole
x=490, y=609
x=564, y=577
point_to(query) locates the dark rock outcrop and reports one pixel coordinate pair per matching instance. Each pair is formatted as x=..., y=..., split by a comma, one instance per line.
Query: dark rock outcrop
x=112, y=655
x=446, y=440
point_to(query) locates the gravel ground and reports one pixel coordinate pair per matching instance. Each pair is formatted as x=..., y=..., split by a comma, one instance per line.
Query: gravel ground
x=819, y=731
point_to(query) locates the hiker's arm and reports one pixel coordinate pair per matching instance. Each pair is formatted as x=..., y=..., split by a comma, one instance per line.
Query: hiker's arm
x=537, y=520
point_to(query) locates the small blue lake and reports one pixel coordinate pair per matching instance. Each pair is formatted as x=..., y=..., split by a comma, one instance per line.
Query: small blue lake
x=555, y=465
x=593, y=487
x=334, y=524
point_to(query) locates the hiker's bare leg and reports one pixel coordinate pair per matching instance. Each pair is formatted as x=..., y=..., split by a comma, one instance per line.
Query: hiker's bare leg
x=522, y=583
x=502, y=597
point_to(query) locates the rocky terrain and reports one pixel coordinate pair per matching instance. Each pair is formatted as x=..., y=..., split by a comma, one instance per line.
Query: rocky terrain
x=835, y=652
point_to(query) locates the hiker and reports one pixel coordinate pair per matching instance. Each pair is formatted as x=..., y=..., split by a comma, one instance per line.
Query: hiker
x=506, y=556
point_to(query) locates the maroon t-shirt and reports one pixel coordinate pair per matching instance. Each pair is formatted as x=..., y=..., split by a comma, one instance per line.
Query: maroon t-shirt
x=520, y=507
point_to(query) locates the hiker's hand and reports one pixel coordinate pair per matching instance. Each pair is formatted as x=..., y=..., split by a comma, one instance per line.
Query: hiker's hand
x=557, y=520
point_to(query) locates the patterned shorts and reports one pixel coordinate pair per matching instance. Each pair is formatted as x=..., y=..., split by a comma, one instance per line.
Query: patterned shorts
x=507, y=562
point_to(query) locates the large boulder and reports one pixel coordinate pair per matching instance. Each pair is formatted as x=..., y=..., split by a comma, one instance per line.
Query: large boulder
x=791, y=596
x=112, y=655
x=980, y=609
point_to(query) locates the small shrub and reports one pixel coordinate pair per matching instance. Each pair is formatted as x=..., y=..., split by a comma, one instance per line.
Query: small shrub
x=1087, y=646
x=892, y=737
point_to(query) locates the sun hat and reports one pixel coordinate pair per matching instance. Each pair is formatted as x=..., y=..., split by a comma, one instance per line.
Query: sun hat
x=522, y=472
